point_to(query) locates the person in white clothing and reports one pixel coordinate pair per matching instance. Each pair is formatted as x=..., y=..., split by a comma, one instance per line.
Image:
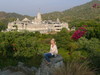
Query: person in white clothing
x=53, y=51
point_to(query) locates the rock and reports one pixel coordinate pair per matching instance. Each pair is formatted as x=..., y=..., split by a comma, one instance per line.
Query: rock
x=20, y=69
x=34, y=69
x=17, y=73
x=20, y=64
x=7, y=72
x=45, y=69
x=28, y=71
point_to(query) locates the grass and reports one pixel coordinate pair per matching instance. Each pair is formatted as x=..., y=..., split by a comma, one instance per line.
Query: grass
x=74, y=68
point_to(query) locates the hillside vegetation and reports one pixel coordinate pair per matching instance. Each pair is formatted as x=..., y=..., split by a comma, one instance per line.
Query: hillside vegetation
x=82, y=12
x=4, y=15
x=9, y=17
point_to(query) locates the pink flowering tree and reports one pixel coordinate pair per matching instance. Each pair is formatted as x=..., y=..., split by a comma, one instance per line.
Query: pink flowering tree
x=79, y=33
x=96, y=5
x=72, y=46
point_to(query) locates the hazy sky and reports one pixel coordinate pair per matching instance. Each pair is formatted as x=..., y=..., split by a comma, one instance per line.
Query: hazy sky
x=31, y=7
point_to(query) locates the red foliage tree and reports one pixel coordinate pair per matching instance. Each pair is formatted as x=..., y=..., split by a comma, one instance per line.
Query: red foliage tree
x=79, y=33
x=96, y=5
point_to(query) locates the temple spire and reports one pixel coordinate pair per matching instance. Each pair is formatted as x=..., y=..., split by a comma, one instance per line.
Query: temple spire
x=58, y=21
x=39, y=16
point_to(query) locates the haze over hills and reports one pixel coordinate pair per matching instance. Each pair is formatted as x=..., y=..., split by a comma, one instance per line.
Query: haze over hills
x=83, y=12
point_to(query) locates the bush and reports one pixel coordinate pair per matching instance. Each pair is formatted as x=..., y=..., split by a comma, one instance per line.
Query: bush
x=95, y=61
x=63, y=39
x=90, y=46
x=22, y=46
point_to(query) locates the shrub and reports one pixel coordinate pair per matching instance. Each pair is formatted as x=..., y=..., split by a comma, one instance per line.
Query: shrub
x=72, y=46
x=79, y=33
x=90, y=46
x=95, y=61
x=62, y=38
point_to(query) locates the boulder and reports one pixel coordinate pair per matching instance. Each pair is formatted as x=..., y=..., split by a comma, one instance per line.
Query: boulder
x=6, y=72
x=25, y=69
x=46, y=69
x=17, y=73
x=33, y=69
x=20, y=69
x=20, y=64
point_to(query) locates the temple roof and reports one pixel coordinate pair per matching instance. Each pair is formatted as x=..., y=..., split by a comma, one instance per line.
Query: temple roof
x=25, y=20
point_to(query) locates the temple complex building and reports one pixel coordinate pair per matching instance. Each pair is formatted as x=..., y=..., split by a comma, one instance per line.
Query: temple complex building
x=37, y=24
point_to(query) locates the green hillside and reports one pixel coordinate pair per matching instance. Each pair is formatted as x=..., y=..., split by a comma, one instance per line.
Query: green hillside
x=9, y=17
x=12, y=16
x=82, y=12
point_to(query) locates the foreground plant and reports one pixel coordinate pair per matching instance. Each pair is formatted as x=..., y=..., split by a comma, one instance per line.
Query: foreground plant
x=74, y=68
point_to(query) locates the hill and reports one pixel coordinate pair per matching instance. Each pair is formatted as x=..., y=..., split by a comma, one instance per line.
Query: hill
x=4, y=15
x=82, y=12
x=9, y=17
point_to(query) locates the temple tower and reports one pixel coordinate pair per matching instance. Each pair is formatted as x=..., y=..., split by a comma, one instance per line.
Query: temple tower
x=58, y=21
x=39, y=18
